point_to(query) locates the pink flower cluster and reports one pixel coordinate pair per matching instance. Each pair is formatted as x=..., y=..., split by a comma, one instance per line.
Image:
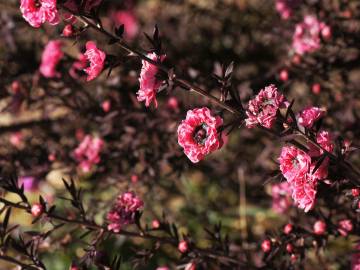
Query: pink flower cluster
x=198, y=133
x=96, y=58
x=309, y=116
x=50, y=58
x=37, y=12
x=76, y=70
x=281, y=197
x=88, y=152
x=149, y=84
x=298, y=169
x=263, y=108
x=306, y=37
x=285, y=7
x=124, y=210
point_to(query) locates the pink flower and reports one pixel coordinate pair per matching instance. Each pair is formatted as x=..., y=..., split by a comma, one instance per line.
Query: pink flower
x=37, y=12
x=96, y=58
x=285, y=7
x=319, y=227
x=68, y=30
x=50, y=58
x=183, y=246
x=306, y=37
x=198, y=134
x=129, y=20
x=345, y=226
x=309, y=116
x=293, y=162
x=163, y=268
x=281, y=197
x=288, y=228
x=87, y=5
x=88, y=152
x=37, y=210
x=263, y=108
x=266, y=245
x=16, y=138
x=304, y=192
x=123, y=211
x=149, y=84
x=77, y=69
x=355, y=258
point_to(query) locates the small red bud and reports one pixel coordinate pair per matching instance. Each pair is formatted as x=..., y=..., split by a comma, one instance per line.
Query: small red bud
x=289, y=248
x=293, y=258
x=68, y=30
x=266, y=246
x=134, y=178
x=288, y=228
x=51, y=157
x=15, y=87
x=326, y=32
x=316, y=88
x=296, y=59
x=106, y=105
x=37, y=209
x=284, y=75
x=355, y=192
x=319, y=227
x=183, y=246
x=155, y=224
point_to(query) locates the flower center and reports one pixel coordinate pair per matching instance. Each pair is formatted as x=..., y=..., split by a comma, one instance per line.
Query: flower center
x=200, y=134
x=37, y=3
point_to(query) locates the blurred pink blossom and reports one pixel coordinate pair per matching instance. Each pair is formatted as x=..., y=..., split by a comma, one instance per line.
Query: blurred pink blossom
x=355, y=258
x=306, y=37
x=285, y=7
x=123, y=211
x=129, y=20
x=88, y=152
x=281, y=197
x=50, y=58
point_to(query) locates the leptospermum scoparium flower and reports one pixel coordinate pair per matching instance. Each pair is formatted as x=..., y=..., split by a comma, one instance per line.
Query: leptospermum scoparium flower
x=306, y=37
x=129, y=20
x=88, y=152
x=309, y=116
x=149, y=83
x=198, y=133
x=263, y=108
x=50, y=58
x=37, y=12
x=96, y=59
x=123, y=211
x=298, y=169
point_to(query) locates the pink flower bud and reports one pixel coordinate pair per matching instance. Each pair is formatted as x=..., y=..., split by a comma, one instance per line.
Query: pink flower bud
x=296, y=59
x=284, y=75
x=155, y=224
x=68, y=30
x=173, y=103
x=106, y=105
x=288, y=228
x=355, y=192
x=293, y=258
x=289, y=248
x=134, y=178
x=316, y=88
x=52, y=157
x=319, y=227
x=326, y=32
x=183, y=246
x=266, y=246
x=37, y=209
x=15, y=87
